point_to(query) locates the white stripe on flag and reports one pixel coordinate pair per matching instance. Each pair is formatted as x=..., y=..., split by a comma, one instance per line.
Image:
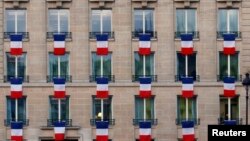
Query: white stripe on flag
x=229, y=86
x=101, y=132
x=187, y=87
x=59, y=130
x=16, y=87
x=187, y=131
x=59, y=44
x=102, y=87
x=229, y=44
x=145, y=87
x=102, y=44
x=187, y=44
x=144, y=44
x=16, y=44
x=60, y=87
x=143, y=131
x=16, y=132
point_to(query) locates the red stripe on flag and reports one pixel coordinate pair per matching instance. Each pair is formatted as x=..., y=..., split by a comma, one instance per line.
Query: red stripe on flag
x=59, y=94
x=102, y=94
x=16, y=138
x=188, y=137
x=187, y=94
x=59, y=51
x=16, y=94
x=187, y=51
x=16, y=51
x=229, y=93
x=101, y=138
x=145, y=94
x=145, y=137
x=144, y=51
x=102, y=51
x=59, y=137
x=229, y=51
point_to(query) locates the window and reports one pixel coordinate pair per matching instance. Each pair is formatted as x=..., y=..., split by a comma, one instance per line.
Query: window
x=101, y=22
x=96, y=65
x=181, y=66
x=234, y=109
x=186, y=22
x=143, y=22
x=149, y=111
x=107, y=108
x=21, y=66
x=149, y=66
x=181, y=109
x=64, y=67
x=228, y=22
x=11, y=110
x=234, y=67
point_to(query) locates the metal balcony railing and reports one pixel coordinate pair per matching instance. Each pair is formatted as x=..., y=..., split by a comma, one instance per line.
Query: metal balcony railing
x=67, y=34
x=220, y=34
x=8, y=121
x=179, y=77
x=196, y=34
x=6, y=35
x=153, y=121
x=135, y=34
x=92, y=35
x=222, y=119
x=93, y=121
x=237, y=77
x=135, y=78
x=68, y=78
x=50, y=122
x=8, y=77
x=179, y=120
x=92, y=78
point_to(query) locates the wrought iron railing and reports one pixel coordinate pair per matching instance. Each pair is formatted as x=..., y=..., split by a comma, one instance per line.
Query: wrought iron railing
x=6, y=35
x=179, y=77
x=92, y=35
x=179, y=120
x=8, y=77
x=135, y=78
x=222, y=119
x=153, y=121
x=93, y=121
x=135, y=34
x=92, y=78
x=196, y=34
x=8, y=121
x=68, y=78
x=68, y=35
x=220, y=34
x=237, y=77
x=50, y=122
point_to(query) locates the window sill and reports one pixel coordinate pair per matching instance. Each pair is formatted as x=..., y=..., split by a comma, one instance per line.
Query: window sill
x=221, y=39
x=66, y=40
x=67, y=128
x=110, y=39
x=137, y=39
x=24, y=40
x=178, y=39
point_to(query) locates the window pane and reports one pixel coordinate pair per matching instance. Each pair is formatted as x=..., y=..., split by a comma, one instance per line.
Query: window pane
x=138, y=20
x=107, y=108
x=149, y=20
x=53, y=64
x=191, y=20
x=139, y=108
x=139, y=64
x=95, y=21
x=15, y=20
x=185, y=20
x=96, y=16
x=58, y=18
x=64, y=20
x=181, y=108
x=233, y=19
x=54, y=108
x=224, y=108
x=11, y=65
x=233, y=64
x=228, y=20
x=222, y=18
x=180, y=20
x=96, y=64
x=182, y=65
x=11, y=108
x=106, y=17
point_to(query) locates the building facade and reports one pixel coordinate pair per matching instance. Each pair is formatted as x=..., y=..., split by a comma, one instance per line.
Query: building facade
x=123, y=21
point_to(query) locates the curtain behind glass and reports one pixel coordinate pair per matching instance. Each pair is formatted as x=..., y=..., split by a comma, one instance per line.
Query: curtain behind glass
x=139, y=108
x=233, y=64
x=139, y=64
x=10, y=20
x=233, y=19
x=53, y=64
x=11, y=65
x=96, y=64
x=222, y=19
x=53, y=20
x=54, y=108
x=191, y=19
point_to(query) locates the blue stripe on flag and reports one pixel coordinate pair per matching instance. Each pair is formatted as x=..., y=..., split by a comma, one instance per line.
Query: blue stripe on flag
x=187, y=80
x=145, y=124
x=230, y=122
x=187, y=124
x=59, y=124
x=59, y=80
x=144, y=37
x=16, y=37
x=229, y=80
x=18, y=80
x=59, y=37
x=101, y=37
x=186, y=37
x=102, y=124
x=16, y=125
x=229, y=37
x=145, y=80
x=102, y=80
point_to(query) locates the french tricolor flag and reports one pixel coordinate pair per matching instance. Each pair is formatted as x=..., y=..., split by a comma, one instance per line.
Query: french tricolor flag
x=59, y=44
x=16, y=131
x=188, y=131
x=16, y=44
x=229, y=44
x=145, y=131
x=145, y=87
x=102, y=130
x=187, y=44
x=102, y=44
x=16, y=88
x=102, y=90
x=59, y=129
x=229, y=86
x=59, y=87
x=187, y=87
x=144, y=44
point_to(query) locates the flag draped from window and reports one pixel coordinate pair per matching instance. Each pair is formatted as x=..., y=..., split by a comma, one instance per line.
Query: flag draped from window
x=144, y=44
x=102, y=87
x=187, y=87
x=16, y=89
x=59, y=44
x=102, y=130
x=16, y=131
x=229, y=44
x=59, y=129
x=188, y=130
x=16, y=45
x=145, y=131
x=59, y=87
x=187, y=44
x=145, y=87
x=229, y=86
x=102, y=44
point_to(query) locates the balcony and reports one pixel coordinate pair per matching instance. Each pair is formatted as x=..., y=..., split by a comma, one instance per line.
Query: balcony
x=92, y=35
x=92, y=78
x=179, y=120
x=8, y=77
x=50, y=35
x=6, y=35
x=178, y=77
x=153, y=121
x=135, y=78
x=237, y=77
x=50, y=122
x=93, y=121
x=220, y=34
x=135, y=34
x=222, y=119
x=177, y=34
x=8, y=121
x=68, y=78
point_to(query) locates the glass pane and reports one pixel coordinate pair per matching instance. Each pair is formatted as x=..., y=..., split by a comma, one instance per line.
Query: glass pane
x=106, y=17
x=96, y=64
x=64, y=20
x=11, y=65
x=180, y=20
x=181, y=65
x=191, y=20
x=107, y=108
x=15, y=21
x=21, y=20
x=53, y=64
x=53, y=20
x=233, y=19
x=149, y=20
x=95, y=21
x=139, y=64
x=181, y=108
x=11, y=108
x=224, y=108
x=233, y=64
x=54, y=108
x=222, y=20
x=139, y=108
x=138, y=20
